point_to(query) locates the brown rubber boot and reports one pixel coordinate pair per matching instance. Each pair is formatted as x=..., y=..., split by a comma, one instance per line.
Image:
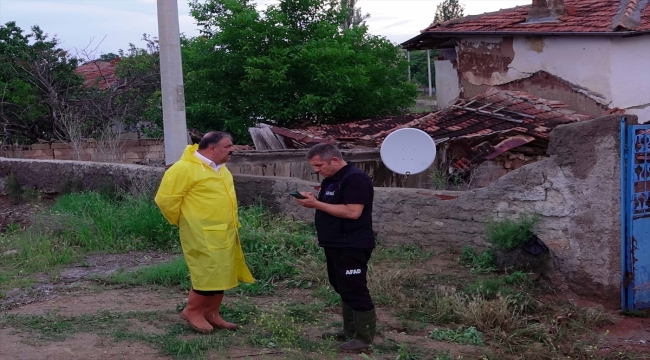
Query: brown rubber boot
x=365, y=324
x=348, y=325
x=211, y=313
x=193, y=312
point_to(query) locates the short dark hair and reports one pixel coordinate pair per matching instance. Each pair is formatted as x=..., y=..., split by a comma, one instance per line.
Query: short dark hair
x=211, y=138
x=324, y=151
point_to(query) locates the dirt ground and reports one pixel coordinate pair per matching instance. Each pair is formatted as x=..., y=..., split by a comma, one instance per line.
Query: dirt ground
x=83, y=296
x=75, y=292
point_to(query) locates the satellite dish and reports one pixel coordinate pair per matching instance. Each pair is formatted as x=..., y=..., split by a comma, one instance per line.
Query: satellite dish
x=408, y=151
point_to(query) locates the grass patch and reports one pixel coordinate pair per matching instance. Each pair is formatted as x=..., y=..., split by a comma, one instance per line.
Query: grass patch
x=174, y=273
x=462, y=335
x=496, y=310
x=97, y=222
x=507, y=234
x=482, y=263
x=274, y=246
x=305, y=313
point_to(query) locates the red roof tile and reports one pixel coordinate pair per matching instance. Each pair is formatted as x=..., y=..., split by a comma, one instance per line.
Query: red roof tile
x=583, y=16
x=98, y=73
x=492, y=112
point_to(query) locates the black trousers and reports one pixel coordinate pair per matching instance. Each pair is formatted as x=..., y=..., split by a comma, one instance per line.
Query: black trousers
x=347, y=269
x=208, y=293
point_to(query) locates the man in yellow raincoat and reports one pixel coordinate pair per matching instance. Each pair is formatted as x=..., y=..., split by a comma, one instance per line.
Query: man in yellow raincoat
x=197, y=194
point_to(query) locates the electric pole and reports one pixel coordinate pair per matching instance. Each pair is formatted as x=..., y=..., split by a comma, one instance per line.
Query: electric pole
x=171, y=76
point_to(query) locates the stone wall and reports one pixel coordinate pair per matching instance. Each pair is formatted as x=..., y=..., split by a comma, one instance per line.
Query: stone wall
x=122, y=151
x=576, y=191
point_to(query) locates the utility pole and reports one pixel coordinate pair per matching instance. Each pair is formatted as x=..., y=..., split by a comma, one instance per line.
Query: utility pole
x=171, y=76
x=429, y=69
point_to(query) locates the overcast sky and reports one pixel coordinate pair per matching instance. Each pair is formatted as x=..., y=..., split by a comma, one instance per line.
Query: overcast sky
x=79, y=23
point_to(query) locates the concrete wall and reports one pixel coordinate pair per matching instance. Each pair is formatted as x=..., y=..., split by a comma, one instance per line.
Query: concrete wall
x=612, y=72
x=447, y=85
x=631, y=76
x=576, y=191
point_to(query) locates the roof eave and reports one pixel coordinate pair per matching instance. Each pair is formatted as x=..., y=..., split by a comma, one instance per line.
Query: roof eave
x=412, y=44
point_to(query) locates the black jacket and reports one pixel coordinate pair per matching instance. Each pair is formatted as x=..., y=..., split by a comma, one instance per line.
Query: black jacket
x=348, y=186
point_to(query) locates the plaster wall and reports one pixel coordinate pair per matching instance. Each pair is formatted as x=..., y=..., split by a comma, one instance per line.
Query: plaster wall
x=447, y=85
x=631, y=76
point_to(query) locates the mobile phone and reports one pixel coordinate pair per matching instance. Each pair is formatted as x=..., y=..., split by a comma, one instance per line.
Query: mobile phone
x=297, y=195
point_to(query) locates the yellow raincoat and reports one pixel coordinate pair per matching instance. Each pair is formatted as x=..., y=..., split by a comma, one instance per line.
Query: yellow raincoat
x=203, y=204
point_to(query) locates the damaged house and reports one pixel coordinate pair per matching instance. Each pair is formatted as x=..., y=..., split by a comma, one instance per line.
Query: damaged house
x=494, y=132
x=505, y=79
x=593, y=55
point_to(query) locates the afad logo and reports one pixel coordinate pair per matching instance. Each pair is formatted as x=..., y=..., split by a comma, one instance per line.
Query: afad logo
x=353, y=272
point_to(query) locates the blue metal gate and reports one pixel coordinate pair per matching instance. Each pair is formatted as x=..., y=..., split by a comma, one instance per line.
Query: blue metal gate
x=635, y=216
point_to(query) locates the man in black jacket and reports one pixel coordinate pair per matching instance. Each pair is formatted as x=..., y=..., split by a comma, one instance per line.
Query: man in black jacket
x=344, y=226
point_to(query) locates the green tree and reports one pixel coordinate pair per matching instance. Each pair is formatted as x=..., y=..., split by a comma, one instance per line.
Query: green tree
x=448, y=10
x=352, y=15
x=139, y=98
x=108, y=57
x=37, y=84
x=419, y=67
x=290, y=64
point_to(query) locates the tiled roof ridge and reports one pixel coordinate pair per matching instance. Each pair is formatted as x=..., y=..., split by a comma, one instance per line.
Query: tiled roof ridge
x=598, y=17
x=471, y=18
x=628, y=16
x=412, y=123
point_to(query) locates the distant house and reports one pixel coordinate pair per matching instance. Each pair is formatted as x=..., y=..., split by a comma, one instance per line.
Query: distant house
x=99, y=73
x=593, y=55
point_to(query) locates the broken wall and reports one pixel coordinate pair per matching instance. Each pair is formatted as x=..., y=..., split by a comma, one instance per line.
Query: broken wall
x=588, y=73
x=576, y=191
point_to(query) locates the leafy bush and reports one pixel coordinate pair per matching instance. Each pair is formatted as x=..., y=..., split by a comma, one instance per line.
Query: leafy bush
x=507, y=234
x=466, y=336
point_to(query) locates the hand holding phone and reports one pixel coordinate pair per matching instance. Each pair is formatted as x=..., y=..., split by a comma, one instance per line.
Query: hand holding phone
x=297, y=195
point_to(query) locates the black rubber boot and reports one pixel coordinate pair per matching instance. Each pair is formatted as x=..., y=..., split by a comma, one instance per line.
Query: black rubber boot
x=365, y=324
x=348, y=325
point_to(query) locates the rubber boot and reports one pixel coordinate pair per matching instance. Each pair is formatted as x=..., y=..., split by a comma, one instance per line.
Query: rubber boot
x=348, y=325
x=193, y=312
x=211, y=313
x=365, y=325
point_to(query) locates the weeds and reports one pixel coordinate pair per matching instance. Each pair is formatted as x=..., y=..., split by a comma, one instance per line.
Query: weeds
x=274, y=246
x=483, y=263
x=493, y=310
x=507, y=234
x=441, y=180
x=409, y=352
x=462, y=335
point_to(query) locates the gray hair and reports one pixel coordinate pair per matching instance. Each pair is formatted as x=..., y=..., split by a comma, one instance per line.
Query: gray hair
x=324, y=151
x=212, y=138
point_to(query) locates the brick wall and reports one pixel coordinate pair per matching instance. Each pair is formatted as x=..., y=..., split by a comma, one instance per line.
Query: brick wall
x=124, y=151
